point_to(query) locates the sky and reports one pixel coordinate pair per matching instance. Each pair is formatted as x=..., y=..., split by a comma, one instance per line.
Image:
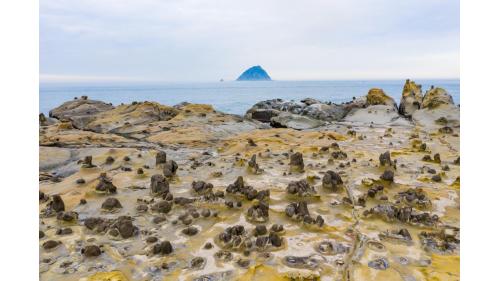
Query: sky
x=196, y=40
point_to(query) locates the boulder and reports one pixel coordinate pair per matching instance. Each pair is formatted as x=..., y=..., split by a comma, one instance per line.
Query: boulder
x=435, y=97
x=294, y=121
x=123, y=117
x=377, y=96
x=80, y=111
x=376, y=114
x=411, y=99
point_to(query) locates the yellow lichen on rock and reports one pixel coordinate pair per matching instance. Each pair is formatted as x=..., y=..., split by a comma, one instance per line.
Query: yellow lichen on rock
x=442, y=268
x=108, y=276
x=131, y=114
x=436, y=97
x=377, y=96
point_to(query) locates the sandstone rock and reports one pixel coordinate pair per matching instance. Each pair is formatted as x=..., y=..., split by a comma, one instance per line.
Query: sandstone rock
x=105, y=184
x=377, y=96
x=57, y=204
x=111, y=204
x=297, y=162
x=300, y=188
x=332, y=180
x=121, y=118
x=435, y=97
x=163, y=248
x=80, y=111
x=411, y=99
x=169, y=168
x=159, y=185
x=161, y=157
x=294, y=121
x=91, y=251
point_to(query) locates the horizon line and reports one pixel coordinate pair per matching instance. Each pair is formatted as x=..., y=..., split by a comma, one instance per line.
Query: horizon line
x=70, y=79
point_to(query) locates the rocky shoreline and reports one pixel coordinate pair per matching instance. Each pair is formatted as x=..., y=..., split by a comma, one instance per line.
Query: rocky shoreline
x=362, y=190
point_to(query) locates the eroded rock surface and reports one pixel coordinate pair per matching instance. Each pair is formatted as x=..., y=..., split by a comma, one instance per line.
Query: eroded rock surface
x=221, y=197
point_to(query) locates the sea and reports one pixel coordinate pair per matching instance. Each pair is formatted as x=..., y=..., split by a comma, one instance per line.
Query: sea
x=234, y=97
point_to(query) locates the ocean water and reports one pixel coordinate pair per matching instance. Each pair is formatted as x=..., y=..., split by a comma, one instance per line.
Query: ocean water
x=230, y=97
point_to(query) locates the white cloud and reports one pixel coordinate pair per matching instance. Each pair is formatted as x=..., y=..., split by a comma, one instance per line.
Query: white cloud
x=205, y=40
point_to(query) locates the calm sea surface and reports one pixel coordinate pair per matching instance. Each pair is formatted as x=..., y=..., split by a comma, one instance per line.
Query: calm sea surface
x=230, y=97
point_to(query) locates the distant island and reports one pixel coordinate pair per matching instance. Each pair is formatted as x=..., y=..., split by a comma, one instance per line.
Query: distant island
x=254, y=73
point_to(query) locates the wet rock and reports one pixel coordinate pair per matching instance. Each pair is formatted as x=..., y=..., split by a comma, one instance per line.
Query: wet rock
x=111, y=204
x=51, y=244
x=190, y=231
x=332, y=181
x=202, y=187
x=87, y=162
x=388, y=175
x=169, y=168
x=163, y=207
x=385, y=159
x=258, y=212
x=300, y=188
x=161, y=157
x=159, y=185
x=380, y=264
x=402, y=214
x=163, y=248
x=91, y=251
x=105, y=185
x=297, y=162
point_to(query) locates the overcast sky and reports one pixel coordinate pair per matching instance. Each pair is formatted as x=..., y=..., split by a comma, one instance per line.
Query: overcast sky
x=191, y=40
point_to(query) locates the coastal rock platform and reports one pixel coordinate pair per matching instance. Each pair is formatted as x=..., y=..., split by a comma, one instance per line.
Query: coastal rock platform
x=303, y=190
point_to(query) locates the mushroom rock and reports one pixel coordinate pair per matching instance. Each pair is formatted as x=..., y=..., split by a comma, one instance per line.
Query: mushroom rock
x=159, y=185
